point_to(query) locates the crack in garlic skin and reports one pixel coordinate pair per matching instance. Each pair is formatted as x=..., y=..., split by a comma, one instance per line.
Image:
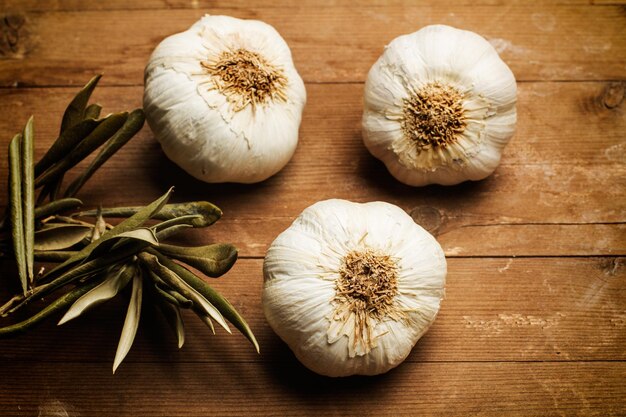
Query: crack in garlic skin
x=365, y=289
x=433, y=116
x=246, y=78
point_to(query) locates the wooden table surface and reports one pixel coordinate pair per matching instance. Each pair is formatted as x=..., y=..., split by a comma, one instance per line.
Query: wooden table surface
x=534, y=320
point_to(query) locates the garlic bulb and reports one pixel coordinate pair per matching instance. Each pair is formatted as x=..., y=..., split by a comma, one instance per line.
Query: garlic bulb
x=439, y=107
x=224, y=100
x=351, y=287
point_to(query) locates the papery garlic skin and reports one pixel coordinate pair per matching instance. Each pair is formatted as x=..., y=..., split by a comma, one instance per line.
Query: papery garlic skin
x=439, y=107
x=303, y=269
x=218, y=124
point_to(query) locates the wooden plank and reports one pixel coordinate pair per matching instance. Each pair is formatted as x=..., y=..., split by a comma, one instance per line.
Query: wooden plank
x=58, y=48
x=567, y=152
x=496, y=309
x=283, y=388
x=253, y=236
x=78, y=5
x=579, y=123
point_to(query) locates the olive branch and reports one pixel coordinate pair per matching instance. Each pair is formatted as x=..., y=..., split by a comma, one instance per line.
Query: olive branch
x=95, y=260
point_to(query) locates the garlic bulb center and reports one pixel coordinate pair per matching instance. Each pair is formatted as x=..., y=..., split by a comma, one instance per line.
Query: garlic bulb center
x=364, y=292
x=433, y=116
x=245, y=77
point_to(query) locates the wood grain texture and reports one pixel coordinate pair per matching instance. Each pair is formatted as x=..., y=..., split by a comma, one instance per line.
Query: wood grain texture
x=534, y=319
x=567, y=154
x=75, y=5
x=504, y=309
x=328, y=45
x=283, y=388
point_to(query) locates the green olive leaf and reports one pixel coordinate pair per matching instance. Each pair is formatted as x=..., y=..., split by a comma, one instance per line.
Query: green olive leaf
x=174, y=319
x=131, y=126
x=65, y=143
x=75, y=111
x=15, y=208
x=57, y=206
x=28, y=196
x=75, y=272
x=166, y=292
x=142, y=234
x=205, y=212
x=172, y=297
x=92, y=111
x=133, y=222
x=131, y=323
x=205, y=319
x=209, y=294
x=93, y=141
x=115, y=280
x=212, y=260
x=54, y=256
x=60, y=236
x=178, y=284
x=185, y=220
x=172, y=230
x=58, y=305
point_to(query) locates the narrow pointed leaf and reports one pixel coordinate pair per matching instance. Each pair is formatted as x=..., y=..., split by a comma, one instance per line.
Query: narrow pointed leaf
x=92, y=111
x=171, y=231
x=15, y=204
x=178, y=284
x=131, y=223
x=75, y=111
x=209, y=294
x=93, y=141
x=115, y=281
x=133, y=124
x=28, y=196
x=131, y=322
x=74, y=273
x=174, y=319
x=206, y=320
x=212, y=260
x=166, y=292
x=53, y=256
x=57, y=206
x=60, y=236
x=185, y=220
x=64, y=144
x=207, y=212
x=58, y=305
x=143, y=234
x=173, y=297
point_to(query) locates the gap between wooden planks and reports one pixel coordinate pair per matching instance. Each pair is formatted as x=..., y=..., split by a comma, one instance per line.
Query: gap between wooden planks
x=558, y=191
x=328, y=44
x=495, y=309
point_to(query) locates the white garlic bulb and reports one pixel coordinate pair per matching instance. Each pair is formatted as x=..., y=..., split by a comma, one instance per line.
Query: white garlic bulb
x=351, y=287
x=439, y=107
x=224, y=100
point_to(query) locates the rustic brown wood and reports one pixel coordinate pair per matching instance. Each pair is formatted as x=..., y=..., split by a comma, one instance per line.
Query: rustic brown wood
x=281, y=387
x=565, y=155
x=328, y=45
x=75, y=5
x=496, y=309
x=534, y=320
